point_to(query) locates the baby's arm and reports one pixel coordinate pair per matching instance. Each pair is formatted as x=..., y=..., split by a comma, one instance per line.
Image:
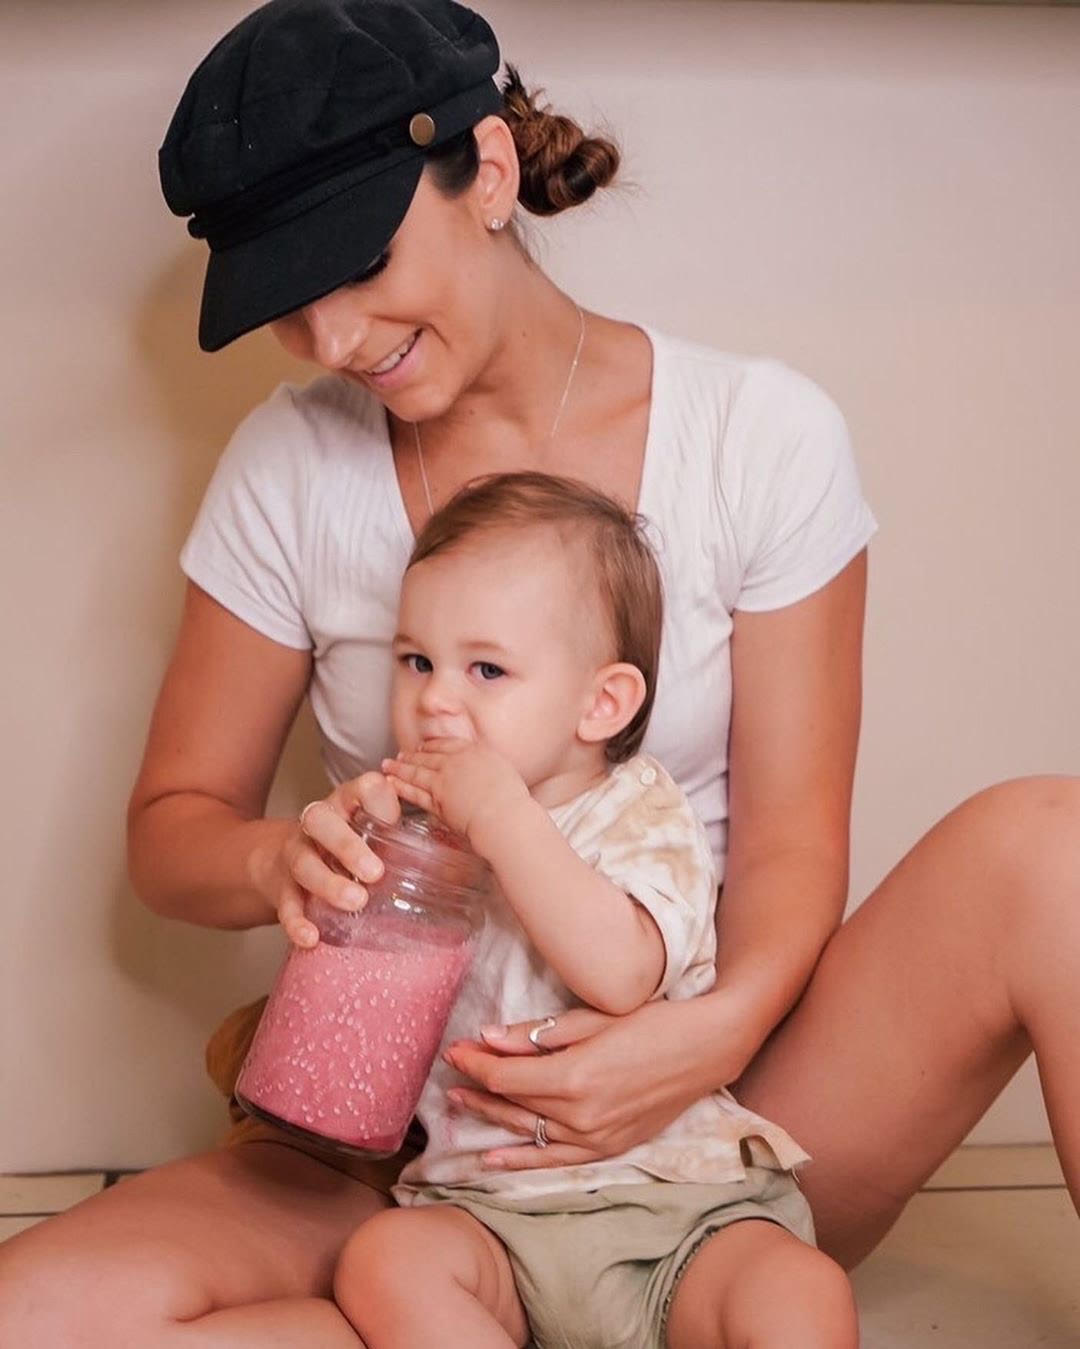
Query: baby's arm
x=604, y=946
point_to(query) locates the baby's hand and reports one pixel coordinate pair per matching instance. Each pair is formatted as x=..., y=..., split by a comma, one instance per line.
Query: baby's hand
x=469, y=787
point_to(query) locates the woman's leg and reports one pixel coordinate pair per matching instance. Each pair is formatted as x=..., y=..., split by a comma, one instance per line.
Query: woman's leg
x=429, y=1275
x=926, y=1002
x=755, y=1285
x=232, y=1249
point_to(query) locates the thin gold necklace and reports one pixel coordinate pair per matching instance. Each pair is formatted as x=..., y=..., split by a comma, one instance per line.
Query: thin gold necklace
x=554, y=424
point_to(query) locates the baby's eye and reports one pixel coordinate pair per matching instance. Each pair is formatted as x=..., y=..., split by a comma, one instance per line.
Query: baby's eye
x=414, y=661
x=487, y=670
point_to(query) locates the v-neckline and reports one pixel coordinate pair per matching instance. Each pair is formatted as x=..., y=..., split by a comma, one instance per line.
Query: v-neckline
x=397, y=496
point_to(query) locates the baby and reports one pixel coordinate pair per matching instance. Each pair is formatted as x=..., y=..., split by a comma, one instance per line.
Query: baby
x=525, y=670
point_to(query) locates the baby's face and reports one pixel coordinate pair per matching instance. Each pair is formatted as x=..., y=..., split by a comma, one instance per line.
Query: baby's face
x=498, y=644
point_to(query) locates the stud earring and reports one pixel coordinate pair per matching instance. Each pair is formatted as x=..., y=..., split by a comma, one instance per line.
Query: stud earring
x=496, y=225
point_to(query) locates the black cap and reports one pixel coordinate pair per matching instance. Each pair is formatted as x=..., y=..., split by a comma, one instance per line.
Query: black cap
x=299, y=142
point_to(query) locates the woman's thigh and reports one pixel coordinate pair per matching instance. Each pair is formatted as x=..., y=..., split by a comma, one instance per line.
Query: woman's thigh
x=240, y=1225
x=919, y=1010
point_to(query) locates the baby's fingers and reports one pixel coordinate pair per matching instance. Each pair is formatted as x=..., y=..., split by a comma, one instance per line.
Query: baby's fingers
x=416, y=796
x=412, y=774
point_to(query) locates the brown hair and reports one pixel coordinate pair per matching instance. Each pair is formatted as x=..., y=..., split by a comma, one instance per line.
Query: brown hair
x=560, y=166
x=625, y=569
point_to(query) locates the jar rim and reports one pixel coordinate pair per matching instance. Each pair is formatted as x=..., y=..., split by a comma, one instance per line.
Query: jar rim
x=419, y=841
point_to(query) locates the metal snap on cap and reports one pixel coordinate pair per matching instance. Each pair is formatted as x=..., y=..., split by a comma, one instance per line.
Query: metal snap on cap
x=422, y=129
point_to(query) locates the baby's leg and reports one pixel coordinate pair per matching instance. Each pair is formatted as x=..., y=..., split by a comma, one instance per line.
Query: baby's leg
x=755, y=1286
x=429, y=1275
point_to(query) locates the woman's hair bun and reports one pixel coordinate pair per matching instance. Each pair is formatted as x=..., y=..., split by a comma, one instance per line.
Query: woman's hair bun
x=560, y=165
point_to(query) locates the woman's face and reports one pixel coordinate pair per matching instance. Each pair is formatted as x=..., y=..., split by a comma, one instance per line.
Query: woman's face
x=418, y=327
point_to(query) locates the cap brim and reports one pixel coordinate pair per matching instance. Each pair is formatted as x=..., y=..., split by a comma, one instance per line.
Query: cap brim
x=305, y=258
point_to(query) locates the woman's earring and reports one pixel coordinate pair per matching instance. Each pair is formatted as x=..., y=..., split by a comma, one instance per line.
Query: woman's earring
x=496, y=225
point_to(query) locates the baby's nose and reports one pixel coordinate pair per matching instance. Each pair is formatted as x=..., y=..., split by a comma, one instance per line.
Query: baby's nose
x=440, y=694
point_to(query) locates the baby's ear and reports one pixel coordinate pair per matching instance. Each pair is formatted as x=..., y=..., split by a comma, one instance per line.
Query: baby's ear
x=618, y=691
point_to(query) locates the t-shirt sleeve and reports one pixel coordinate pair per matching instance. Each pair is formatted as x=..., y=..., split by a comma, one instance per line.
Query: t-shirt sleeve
x=246, y=546
x=658, y=853
x=789, y=477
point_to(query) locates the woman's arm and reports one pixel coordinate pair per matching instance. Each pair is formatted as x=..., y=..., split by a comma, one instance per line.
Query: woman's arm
x=195, y=829
x=797, y=683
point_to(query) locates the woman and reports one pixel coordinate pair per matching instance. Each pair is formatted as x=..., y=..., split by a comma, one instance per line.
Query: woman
x=355, y=172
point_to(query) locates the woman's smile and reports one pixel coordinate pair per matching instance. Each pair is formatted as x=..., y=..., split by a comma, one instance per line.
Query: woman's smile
x=396, y=368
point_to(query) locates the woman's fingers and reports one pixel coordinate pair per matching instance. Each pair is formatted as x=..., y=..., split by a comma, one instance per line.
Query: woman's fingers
x=327, y=826
x=518, y=1119
x=337, y=845
x=519, y=1116
x=371, y=791
x=541, y=1037
x=546, y=1077
x=324, y=858
x=528, y=1157
x=312, y=874
x=564, y=1147
x=621, y=1082
x=301, y=931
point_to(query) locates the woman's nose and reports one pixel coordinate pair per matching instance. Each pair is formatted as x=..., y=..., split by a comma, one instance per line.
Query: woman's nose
x=338, y=328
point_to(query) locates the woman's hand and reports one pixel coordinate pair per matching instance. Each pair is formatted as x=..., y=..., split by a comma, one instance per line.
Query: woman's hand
x=322, y=857
x=614, y=1081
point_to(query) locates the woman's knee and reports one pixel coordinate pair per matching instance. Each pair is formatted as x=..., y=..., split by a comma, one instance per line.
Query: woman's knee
x=106, y=1295
x=1028, y=831
x=1037, y=809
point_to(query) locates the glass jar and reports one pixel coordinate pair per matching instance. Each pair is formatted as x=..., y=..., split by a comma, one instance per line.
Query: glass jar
x=352, y=1025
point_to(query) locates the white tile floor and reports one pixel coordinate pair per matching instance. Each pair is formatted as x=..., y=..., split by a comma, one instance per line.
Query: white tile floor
x=987, y=1256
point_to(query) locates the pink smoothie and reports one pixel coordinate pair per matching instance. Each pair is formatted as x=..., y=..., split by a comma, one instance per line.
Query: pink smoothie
x=350, y=1032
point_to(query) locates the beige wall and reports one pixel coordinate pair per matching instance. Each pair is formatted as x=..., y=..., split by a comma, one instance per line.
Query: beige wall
x=885, y=196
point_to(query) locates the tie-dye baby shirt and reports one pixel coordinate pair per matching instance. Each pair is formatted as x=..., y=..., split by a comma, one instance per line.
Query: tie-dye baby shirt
x=638, y=829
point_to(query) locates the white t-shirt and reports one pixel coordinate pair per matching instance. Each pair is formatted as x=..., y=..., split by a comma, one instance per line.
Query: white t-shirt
x=748, y=480
x=640, y=831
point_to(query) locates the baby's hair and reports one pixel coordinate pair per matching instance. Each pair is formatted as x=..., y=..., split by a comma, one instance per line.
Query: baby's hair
x=625, y=568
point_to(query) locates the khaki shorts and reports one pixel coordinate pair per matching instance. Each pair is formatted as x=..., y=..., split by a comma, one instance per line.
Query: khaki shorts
x=598, y=1269
x=225, y=1054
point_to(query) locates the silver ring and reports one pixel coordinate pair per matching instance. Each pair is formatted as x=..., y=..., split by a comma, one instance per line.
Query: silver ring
x=540, y=1135
x=547, y=1024
x=303, y=814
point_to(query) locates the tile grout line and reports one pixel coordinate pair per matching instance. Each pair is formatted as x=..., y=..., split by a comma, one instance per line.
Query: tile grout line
x=113, y=1176
x=48, y=1213
x=990, y=1189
